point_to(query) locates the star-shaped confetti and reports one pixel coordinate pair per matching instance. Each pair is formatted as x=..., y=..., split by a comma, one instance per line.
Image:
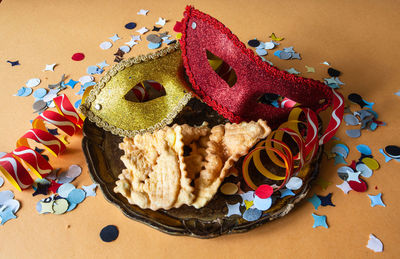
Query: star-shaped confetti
x=353, y=176
x=345, y=187
x=310, y=69
x=161, y=21
x=114, y=38
x=155, y=28
x=376, y=200
x=323, y=183
x=286, y=192
x=375, y=244
x=247, y=196
x=316, y=202
x=14, y=63
x=319, y=221
x=6, y=215
x=248, y=204
x=143, y=12
x=142, y=30
x=233, y=209
x=131, y=43
x=72, y=83
x=103, y=64
x=47, y=207
x=326, y=200
x=41, y=189
x=50, y=67
x=53, y=132
x=292, y=71
x=330, y=81
x=90, y=190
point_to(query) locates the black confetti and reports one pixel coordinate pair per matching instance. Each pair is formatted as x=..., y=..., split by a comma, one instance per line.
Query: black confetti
x=109, y=233
x=333, y=72
x=253, y=43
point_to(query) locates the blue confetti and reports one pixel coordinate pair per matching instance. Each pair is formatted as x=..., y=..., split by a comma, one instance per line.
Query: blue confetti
x=130, y=26
x=286, y=192
x=261, y=52
x=14, y=63
x=376, y=200
x=40, y=93
x=76, y=196
x=77, y=103
x=152, y=45
x=277, y=53
x=364, y=149
x=252, y=214
x=72, y=83
x=316, y=202
x=319, y=221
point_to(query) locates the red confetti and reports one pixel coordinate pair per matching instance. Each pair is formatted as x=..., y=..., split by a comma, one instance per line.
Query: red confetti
x=78, y=56
x=178, y=27
x=353, y=165
x=358, y=186
x=264, y=191
x=54, y=186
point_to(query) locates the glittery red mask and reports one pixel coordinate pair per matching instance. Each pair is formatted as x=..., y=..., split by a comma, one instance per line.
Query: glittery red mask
x=202, y=33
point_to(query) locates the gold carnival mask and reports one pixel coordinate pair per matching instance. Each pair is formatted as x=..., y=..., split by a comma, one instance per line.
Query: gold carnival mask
x=113, y=105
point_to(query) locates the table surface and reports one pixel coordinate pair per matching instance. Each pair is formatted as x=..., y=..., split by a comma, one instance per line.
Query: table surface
x=360, y=38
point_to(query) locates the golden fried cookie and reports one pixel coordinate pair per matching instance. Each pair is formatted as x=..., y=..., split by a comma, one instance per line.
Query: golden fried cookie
x=182, y=164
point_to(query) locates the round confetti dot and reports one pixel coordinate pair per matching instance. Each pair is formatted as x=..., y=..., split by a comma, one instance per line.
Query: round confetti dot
x=91, y=70
x=264, y=191
x=262, y=204
x=65, y=189
x=393, y=151
x=371, y=163
x=152, y=45
x=229, y=188
x=26, y=91
x=76, y=196
x=252, y=214
x=125, y=49
x=39, y=105
x=350, y=119
x=105, y=45
x=33, y=82
x=39, y=207
x=40, y=93
x=294, y=183
x=109, y=233
x=353, y=133
x=253, y=43
x=358, y=186
x=261, y=52
x=269, y=45
x=78, y=56
x=72, y=206
x=364, y=149
x=74, y=171
x=153, y=38
x=130, y=26
x=60, y=206
x=365, y=170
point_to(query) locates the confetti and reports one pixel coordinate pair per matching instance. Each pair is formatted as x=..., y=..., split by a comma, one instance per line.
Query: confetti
x=371, y=163
x=109, y=233
x=155, y=28
x=325, y=63
x=275, y=38
x=345, y=187
x=286, y=192
x=375, y=244
x=12, y=204
x=33, y=82
x=114, y=38
x=24, y=91
x=13, y=63
x=130, y=26
x=233, y=209
x=315, y=201
x=76, y=196
x=142, y=12
x=85, y=79
x=356, y=98
x=152, y=45
x=262, y=204
x=105, y=45
x=5, y=196
x=161, y=21
x=376, y=200
x=294, y=183
x=326, y=200
x=142, y=30
x=353, y=133
x=253, y=43
x=310, y=69
x=319, y=221
x=269, y=45
x=39, y=93
x=78, y=56
x=350, y=119
x=248, y=204
x=264, y=191
x=229, y=188
x=261, y=52
x=333, y=72
x=90, y=190
x=102, y=64
x=247, y=196
x=125, y=49
x=360, y=186
x=50, y=67
x=65, y=189
x=292, y=71
x=252, y=214
x=60, y=206
x=6, y=215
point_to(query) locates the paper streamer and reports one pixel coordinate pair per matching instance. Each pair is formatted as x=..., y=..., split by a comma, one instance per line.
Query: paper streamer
x=67, y=120
x=280, y=154
x=34, y=160
x=15, y=172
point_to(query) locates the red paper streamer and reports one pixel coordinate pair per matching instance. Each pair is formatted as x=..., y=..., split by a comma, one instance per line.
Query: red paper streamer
x=34, y=160
x=15, y=172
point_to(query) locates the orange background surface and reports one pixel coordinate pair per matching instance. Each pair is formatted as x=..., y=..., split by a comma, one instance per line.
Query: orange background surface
x=360, y=38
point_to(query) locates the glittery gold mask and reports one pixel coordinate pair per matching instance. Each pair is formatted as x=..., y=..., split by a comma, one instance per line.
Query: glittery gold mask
x=108, y=106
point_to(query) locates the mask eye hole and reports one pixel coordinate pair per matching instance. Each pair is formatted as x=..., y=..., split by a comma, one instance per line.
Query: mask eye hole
x=222, y=68
x=145, y=91
x=276, y=100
